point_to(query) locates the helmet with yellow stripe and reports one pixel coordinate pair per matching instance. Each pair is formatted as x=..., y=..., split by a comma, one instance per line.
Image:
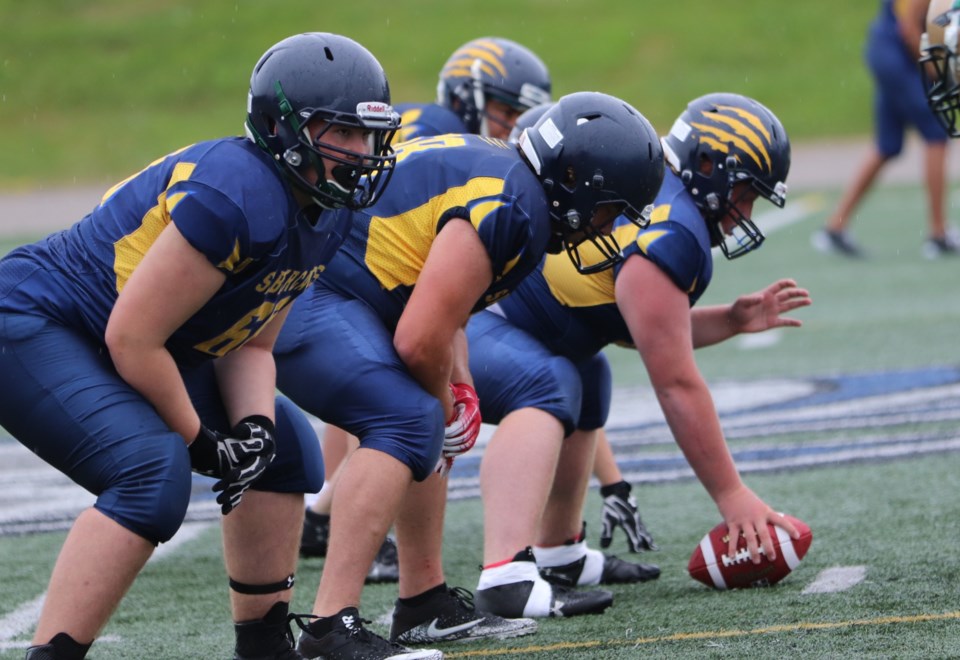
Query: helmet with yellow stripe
x=491, y=68
x=722, y=140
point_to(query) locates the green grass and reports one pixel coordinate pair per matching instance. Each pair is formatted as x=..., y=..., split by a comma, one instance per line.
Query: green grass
x=878, y=515
x=892, y=311
x=91, y=91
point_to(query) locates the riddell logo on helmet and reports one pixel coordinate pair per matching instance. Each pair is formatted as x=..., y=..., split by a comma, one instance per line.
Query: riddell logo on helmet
x=378, y=108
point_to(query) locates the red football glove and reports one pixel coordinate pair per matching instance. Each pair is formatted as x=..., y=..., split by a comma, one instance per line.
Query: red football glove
x=463, y=428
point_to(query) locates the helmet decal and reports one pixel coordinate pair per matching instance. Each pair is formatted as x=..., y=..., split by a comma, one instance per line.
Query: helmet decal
x=746, y=132
x=487, y=52
x=720, y=142
x=491, y=67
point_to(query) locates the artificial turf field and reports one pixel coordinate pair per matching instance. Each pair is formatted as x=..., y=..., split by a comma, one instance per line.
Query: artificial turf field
x=849, y=423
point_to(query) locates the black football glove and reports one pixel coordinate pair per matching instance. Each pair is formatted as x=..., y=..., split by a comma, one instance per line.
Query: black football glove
x=237, y=459
x=620, y=510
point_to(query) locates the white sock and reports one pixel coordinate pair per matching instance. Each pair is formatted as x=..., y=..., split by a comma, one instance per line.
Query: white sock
x=541, y=596
x=561, y=555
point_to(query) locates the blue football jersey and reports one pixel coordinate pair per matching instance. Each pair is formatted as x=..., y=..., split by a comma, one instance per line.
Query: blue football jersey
x=426, y=120
x=228, y=200
x=577, y=315
x=435, y=179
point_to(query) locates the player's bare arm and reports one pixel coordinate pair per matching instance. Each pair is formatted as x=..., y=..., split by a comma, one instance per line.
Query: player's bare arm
x=752, y=312
x=242, y=394
x=456, y=273
x=657, y=314
x=173, y=281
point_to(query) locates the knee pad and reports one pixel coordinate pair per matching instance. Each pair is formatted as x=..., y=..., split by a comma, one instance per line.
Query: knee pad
x=298, y=465
x=412, y=434
x=150, y=495
x=554, y=386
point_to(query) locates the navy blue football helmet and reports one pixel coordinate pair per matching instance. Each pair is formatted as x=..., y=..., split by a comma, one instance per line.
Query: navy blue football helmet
x=591, y=150
x=938, y=62
x=719, y=141
x=528, y=119
x=331, y=77
x=496, y=68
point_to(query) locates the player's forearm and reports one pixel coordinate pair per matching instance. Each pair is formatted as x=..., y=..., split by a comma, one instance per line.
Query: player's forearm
x=154, y=374
x=431, y=364
x=711, y=325
x=460, y=369
x=692, y=417
x=247, y=378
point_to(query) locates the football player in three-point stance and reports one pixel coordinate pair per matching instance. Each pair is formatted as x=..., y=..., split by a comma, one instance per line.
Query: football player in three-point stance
x=136, y=345
x=535, y=356
x=377, y=346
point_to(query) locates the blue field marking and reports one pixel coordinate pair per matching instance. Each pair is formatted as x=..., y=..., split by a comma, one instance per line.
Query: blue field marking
x=779, y=425
x=770, y=425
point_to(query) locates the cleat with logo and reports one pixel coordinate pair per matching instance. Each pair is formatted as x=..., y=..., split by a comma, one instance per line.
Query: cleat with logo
x=348, y=639
x=516, y=589
x=451, y=616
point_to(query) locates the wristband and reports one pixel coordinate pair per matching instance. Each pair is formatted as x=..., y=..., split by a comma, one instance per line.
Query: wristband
x=260, y=420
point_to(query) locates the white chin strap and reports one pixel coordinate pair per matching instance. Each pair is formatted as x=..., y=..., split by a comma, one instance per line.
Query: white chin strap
x=479, y=98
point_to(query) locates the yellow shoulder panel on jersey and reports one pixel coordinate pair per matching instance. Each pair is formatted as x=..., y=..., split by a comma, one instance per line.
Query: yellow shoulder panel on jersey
x=408, y=120
x=572, y=289
x=397, y=246
x=129, y=251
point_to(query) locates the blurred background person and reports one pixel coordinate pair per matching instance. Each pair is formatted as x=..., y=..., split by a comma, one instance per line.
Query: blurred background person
x=893, y=46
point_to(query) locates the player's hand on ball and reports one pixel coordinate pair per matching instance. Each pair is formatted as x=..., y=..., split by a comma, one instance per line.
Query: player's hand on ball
x=236, y=459
x=620, y=510
x=462, y=429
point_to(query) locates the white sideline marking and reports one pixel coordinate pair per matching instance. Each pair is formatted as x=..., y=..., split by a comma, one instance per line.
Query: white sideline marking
x=759, y=339
x=25, y=617
x=838, y=578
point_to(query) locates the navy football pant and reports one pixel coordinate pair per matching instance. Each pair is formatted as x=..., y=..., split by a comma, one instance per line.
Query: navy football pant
x=61, y=397
x=512, y=370
x=336, y=360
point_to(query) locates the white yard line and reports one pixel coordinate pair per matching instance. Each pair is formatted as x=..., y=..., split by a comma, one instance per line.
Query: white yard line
x=22, y=620
x=838, y=578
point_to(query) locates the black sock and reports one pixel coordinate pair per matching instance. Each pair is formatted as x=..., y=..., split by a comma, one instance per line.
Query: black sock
x=420, y=599
x=318, y=518
x=61, y=647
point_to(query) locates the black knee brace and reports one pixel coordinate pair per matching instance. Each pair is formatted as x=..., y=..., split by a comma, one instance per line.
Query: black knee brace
x=260, y=589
